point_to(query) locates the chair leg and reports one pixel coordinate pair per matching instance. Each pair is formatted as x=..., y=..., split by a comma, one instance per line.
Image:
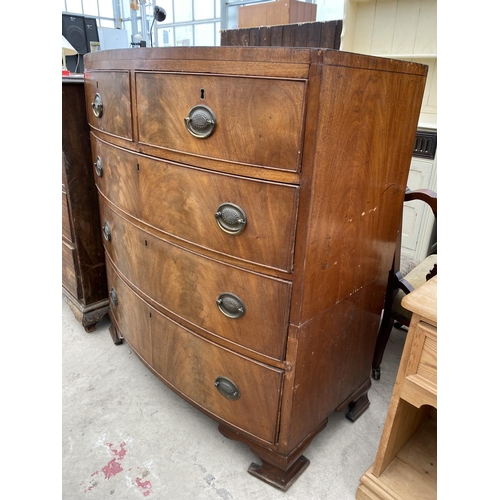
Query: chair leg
x=400, y=326
x=382, y=338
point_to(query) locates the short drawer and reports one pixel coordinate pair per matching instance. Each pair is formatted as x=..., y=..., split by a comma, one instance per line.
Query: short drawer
x=107, y=95
x=231, y=388
x=243, y=307
x=427, y=364
x=256, y=121
x=203, y=207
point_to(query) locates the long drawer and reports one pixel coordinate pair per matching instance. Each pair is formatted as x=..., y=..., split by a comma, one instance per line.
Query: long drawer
x=248, y=219
x=243, y=307
x=257, y=121
x=232, y=388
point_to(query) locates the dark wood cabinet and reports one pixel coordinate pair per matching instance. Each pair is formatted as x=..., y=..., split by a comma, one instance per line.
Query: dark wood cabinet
x=250, y=200
x=84, y=283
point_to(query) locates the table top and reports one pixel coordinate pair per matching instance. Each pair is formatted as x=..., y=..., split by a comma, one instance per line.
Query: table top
x=423, y=300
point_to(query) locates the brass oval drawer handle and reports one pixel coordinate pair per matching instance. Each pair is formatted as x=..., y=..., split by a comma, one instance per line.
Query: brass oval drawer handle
x=200, y=121
x=97, y=105
x=98, y=167
x=231, y=218
x=230, y=305
x=107, y=232
x=227, y=388
x=113, y=296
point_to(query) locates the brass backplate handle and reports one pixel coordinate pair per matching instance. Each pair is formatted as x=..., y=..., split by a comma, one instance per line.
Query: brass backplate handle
x=107, y=232
x=227, y=388
x=97, y=105
x=231, y=218
x=98, y=167
x=113, y=296
x=200, y=121
x=230, y=305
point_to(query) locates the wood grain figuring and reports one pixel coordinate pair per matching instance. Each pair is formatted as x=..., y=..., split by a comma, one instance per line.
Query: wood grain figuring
x=191, y=365
x=188, y=285
x=275, y=13
x=353, y=223
x=259, y=121
x=182, y=201
x=318, y=162
x=114, y=89
x=131, y=316
x=427, y=366
x=329, y=385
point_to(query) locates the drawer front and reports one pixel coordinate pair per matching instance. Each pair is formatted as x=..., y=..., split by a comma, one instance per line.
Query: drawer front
x=119, y=176
x=113, y=90
x=189, y=285
x=68, y=269
x=130, y=315
x=66, y=226
x=258, y=121
x=427, y=364
x=183, y=201
x=191, y=365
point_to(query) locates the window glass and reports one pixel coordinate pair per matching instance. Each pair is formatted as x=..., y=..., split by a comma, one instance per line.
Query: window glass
x=107, y=23
x=74, y=6
x=165, y=37
x=203, y=9
x=125, y=9
x=232, y=17
x=167, y=5
x=106, y=8
x=217, y=34
x=184, y=35
x=127, y=26
x=90, y=8
x=204, y=34
x=217, y=9
x=183, y=12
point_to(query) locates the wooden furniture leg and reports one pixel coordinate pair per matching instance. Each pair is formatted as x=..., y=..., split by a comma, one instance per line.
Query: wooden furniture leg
x=358, y=402
x=278, y=470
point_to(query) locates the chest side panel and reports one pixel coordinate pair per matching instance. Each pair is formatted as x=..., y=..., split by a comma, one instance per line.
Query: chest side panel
x=359, y=179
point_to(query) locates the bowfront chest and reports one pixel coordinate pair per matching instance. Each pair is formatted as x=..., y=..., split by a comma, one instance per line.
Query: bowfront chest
x=250, y=200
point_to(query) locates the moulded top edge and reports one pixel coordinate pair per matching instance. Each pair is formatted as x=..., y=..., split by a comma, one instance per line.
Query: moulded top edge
x=334, y=57
x=278, y=55
x=237, y=54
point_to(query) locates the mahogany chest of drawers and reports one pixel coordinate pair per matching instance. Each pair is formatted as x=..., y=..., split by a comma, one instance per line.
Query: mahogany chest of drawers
x=84, y=284
x=250, y=200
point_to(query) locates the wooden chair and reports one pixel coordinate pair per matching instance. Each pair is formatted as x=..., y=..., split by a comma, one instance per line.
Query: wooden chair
x=394, y=313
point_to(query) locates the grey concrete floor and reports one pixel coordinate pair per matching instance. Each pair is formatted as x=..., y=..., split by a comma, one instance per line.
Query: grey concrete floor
x=126, y=436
